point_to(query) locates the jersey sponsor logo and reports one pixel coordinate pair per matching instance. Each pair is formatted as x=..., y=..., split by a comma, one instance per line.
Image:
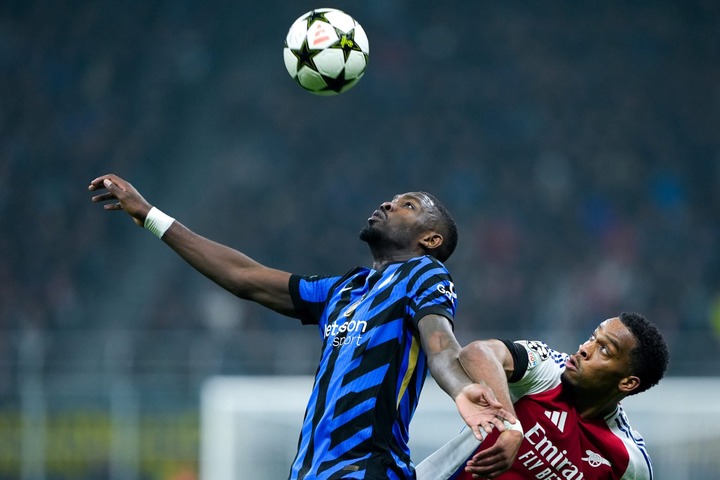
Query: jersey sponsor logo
x=346, y=333
x=557, y=418
x=594, y=459
x=448, y=291
x=544, y=460
x=540, y=348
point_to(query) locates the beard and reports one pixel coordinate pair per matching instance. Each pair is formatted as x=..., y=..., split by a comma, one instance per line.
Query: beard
x=568, y=385
x=370, y=235
x=378, y=240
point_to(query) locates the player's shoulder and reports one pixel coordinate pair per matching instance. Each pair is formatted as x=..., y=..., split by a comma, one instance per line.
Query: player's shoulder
x=417, y=269
x=540, y=353
x=639, y=464
x=538, y=367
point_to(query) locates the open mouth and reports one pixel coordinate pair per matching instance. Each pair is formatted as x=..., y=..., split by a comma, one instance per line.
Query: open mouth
x=377, y=215
x=571, y=363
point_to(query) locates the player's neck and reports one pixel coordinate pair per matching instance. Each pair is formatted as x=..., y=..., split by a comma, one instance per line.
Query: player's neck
x=380, y=263
x=382, y=257
x=591, y=403
x=594, y=405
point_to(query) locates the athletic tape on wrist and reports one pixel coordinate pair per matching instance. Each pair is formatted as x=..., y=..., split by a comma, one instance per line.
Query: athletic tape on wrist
x=158, y=222
x=508, y=426
x=514, y=426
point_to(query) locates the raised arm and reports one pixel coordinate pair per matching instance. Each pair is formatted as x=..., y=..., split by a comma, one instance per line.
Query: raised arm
x=229, y=268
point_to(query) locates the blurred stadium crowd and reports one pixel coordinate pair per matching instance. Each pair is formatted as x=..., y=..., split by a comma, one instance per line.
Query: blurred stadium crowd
x=576, y=143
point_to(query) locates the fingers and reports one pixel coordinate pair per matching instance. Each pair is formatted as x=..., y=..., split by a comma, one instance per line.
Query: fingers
x=485, y=428
x=98, y=182
x=498, y=423
x=480, y=432
x=489, y=425
x=102, y=197
x=506, y=415
x=108, y=181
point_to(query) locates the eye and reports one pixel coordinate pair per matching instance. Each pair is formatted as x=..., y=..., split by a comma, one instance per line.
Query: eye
x=409, y=205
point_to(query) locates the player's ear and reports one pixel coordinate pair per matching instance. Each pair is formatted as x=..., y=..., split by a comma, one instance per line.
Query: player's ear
x=628, y=384
x=431, y=240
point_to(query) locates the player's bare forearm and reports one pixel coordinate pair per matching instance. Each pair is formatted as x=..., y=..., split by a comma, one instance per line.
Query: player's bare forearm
x=475, y=402
x=490, y=362
x=231, y=269
x=443, y=350
x=227, y=267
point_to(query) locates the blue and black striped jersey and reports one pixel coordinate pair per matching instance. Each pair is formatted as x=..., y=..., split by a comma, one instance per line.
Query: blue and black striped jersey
x=372, y=367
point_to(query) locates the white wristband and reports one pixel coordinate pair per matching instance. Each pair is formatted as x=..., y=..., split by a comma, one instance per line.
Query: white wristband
x=514, y=426
x=158, y=222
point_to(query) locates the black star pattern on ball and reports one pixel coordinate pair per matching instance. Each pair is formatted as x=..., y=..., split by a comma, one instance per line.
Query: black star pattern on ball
x=335, y=84
x=305, y=56
x=314, y=16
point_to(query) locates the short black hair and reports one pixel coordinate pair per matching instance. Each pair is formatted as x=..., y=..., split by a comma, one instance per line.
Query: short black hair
x=649, y=359
x=448, y=230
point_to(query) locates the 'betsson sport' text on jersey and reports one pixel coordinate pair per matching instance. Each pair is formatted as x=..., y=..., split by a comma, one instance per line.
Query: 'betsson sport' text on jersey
x=558, y=443
x=372, y=367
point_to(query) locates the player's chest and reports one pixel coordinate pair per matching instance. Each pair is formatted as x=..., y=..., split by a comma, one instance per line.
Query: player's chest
x=363, y=316
x=559, y=445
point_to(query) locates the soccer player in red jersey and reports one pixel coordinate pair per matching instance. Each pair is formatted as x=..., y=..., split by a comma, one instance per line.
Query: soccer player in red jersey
x=573, y=425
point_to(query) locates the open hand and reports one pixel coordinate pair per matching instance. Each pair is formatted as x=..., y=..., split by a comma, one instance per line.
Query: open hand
x=125, y=195
x=481, y=410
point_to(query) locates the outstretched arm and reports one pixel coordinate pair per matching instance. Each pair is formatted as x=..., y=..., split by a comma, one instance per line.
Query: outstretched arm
x=475, y=401
x=491, y=361
x=229, y=268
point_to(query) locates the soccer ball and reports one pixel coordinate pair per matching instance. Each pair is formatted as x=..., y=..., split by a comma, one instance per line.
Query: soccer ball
x=326, y=51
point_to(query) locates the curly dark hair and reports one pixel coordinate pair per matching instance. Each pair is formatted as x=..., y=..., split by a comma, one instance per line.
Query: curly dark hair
x=649, y=359
x=448, y=229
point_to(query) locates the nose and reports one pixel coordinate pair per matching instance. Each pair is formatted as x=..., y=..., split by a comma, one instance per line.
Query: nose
x=583, y=350
x=386, y=206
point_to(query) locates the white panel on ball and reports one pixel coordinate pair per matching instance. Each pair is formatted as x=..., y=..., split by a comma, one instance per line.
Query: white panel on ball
x=330, y=62
x=355, y=65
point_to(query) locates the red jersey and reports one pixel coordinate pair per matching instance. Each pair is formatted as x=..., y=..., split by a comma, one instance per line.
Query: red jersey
x=558, y=444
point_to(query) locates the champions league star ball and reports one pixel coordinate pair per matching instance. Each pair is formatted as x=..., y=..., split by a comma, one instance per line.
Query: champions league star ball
x=326, y=51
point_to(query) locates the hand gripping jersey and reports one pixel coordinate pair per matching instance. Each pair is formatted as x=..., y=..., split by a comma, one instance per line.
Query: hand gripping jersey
x=372, y=368
x=558, y=443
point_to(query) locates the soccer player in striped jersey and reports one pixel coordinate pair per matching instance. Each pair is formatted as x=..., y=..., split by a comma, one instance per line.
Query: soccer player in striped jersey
x=568, y=405
x=382, y=329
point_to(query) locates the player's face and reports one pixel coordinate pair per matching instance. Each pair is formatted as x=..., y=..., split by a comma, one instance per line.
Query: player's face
x=401, y=220
x=603, y=360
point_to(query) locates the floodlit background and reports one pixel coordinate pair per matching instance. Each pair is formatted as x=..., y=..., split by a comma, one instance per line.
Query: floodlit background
x=576, y=143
